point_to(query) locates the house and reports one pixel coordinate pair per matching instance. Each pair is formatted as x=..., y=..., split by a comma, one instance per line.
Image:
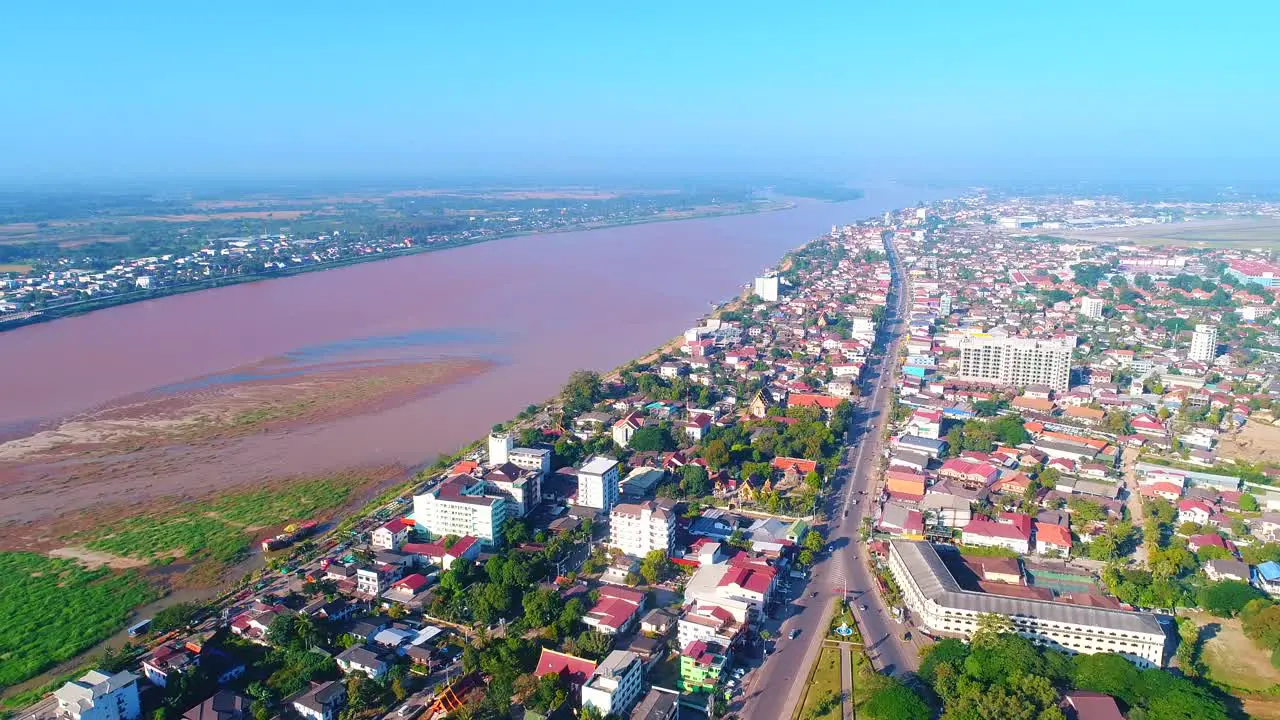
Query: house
x=391, y=535
x=1266, y=577
x=931, y=447
x=1194, y=511
x=1081, y=705
x=321, y=701
x=658, y=704
x=897, y=519
x=358, y=658
x=575, y=670
x=1195, y=542
x=100, y=696
x=925, y=424
x=625, y=427
x=702, y=666
x=987, y=533
x=222, y=705
x=438, y=554
x=901, y=482
x=712, y=623
x=696, y=426
x=167, y=661
x=970, y=473
x=1224, y=569
x=1052, y=538
x=616, y=683
x=638, y=529
x=657, y=621
x=615, y=609
x=408, y=589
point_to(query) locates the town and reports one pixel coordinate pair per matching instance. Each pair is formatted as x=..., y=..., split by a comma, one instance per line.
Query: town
x=943, y=460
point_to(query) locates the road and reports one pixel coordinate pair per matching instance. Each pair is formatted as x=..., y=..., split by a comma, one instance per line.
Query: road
x=775, y=688
x=1133, y=499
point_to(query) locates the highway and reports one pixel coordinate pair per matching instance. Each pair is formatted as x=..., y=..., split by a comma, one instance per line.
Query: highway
x=772, y=690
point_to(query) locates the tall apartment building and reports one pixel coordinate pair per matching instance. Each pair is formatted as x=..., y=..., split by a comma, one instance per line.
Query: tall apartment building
x=1204, y=344
x=767, y=288
x=461, y=505
x=1017, y=361
x=939, y=603
x=598, y=483
x=639, y=529
x=944, y=304
x=1091, y=307
x=99, y=696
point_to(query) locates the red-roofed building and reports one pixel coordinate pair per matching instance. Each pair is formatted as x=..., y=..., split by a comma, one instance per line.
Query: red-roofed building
x=1195, y=511
x=1195, y=542
x=436, y=554
x=615, y=610
x=391, y=535
x=1166, y=490
x=986, y=533
x=1053, y=538
x=969, y=472
x=576, y=671
x=822, y=402
x=800, y=465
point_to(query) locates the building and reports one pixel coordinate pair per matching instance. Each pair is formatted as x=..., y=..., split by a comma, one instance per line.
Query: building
x=598, y=483
x=322, y=701
x=1016, y=362
x=615, y=610
x=638, y=530
x=702, y=666
x=1254, y=271
x=767, y=288
x=461, y=505
x=222, y=705
x=710, y=623
x=521, y=486
x=1091, y=307
x=944, y=304
x=658, y=704
x=987, y=533
x=99, y=696
x=1082, y=705
x=574, y=670
x=390, y=536
x=741, y=586
x=502, y=450
x=939, y=603
x=358, y=658
x=1204, y=344
x=616, y=683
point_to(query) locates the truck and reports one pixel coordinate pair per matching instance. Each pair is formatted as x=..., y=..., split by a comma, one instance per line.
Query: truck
x=292, y=533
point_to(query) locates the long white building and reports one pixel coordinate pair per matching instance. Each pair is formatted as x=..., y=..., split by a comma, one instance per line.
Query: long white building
x=1018, y=362
x=939, y=603
x=639, y=529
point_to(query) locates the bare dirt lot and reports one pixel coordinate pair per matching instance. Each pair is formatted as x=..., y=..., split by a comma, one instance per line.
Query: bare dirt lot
x=1258, y=441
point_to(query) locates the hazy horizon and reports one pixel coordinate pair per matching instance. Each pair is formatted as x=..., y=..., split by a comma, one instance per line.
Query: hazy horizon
x=938, y=93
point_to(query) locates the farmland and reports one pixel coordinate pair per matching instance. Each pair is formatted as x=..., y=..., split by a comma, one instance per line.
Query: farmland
x=218, y=530
x=54, y=609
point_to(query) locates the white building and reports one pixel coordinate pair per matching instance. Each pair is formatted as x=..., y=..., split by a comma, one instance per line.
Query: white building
x=1091, y=307
x=460, y=506
x=639, y=529
x=390, y=536
x=616, y=684
x=1018, y=362
x=709, y=623
x=1204, y=344
x=502, y=450
x=938, y=603
x=99, y=696
x=767, y=288
x=598, y=483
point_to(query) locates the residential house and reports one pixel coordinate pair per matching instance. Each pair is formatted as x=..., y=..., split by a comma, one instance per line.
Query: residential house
x=702, y=666
x=1053, y=539
x=222, y=705
x=1226, y=569
x=100, y=696
x=987, y=533
x=615, y=610
x=358, y=658
x=321, y=701
x=575, y=670
x=391, y=535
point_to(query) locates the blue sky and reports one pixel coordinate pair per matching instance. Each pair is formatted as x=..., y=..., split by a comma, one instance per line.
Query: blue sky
x=856, y=87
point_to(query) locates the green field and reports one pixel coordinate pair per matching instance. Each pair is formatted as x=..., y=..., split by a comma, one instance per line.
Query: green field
x=1250, y=232
x=54, y=609
x=822, y=694
x=219, y=530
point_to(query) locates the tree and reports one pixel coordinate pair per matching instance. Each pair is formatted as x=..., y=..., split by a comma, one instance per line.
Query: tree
x=583, y=391
x=593, y=645
x=1248, y=503
x=990, y=627
x=1227, y=598
x=652, y=438
x=174, y=617
x=694, y=481
x=716, y=453
x=895, y=701
x=1106, y=673
x=813, y=480
x=655, y=567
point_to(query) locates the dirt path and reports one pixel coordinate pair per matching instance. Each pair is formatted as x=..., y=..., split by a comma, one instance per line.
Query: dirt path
x=1129, y=461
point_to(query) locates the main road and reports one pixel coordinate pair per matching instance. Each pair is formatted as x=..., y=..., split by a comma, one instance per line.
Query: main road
x=773, y=690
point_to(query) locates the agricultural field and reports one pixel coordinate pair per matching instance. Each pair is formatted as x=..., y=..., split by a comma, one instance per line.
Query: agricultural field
x=54, y=609
x=1261, y=232
x=218, y=530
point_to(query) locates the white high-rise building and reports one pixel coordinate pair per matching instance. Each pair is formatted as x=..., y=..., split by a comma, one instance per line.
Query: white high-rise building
x=944, y=304
x=1091, y=307
x=1018, y=362
x=598, y=483
x=1204, y=344
x=500, y=445
x=639, y=529
x=462, y=505
x=616, y=684
x=767, y=288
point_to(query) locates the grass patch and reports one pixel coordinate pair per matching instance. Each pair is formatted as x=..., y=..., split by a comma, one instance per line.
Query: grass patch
x=1233, y=659
x=15, y=268
x=822, y=694
x=215, y=530
x=54, y=609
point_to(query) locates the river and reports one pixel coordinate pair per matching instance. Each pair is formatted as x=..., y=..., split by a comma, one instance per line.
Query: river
x=538, y=306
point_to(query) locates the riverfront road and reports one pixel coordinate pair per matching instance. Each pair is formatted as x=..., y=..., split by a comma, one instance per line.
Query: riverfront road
x=775, y=688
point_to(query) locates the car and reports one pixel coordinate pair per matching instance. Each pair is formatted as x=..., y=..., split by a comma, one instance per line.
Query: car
x=794, y=634
x=862, y=607
x=813, y=594
x=846, y=513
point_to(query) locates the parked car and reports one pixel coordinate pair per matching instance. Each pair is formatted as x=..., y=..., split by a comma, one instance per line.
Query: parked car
x=794, y=634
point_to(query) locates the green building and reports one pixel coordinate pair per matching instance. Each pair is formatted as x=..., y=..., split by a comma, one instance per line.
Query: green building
x=702, y=666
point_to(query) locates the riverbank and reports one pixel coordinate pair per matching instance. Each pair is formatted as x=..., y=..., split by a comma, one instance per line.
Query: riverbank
x=81, y=307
